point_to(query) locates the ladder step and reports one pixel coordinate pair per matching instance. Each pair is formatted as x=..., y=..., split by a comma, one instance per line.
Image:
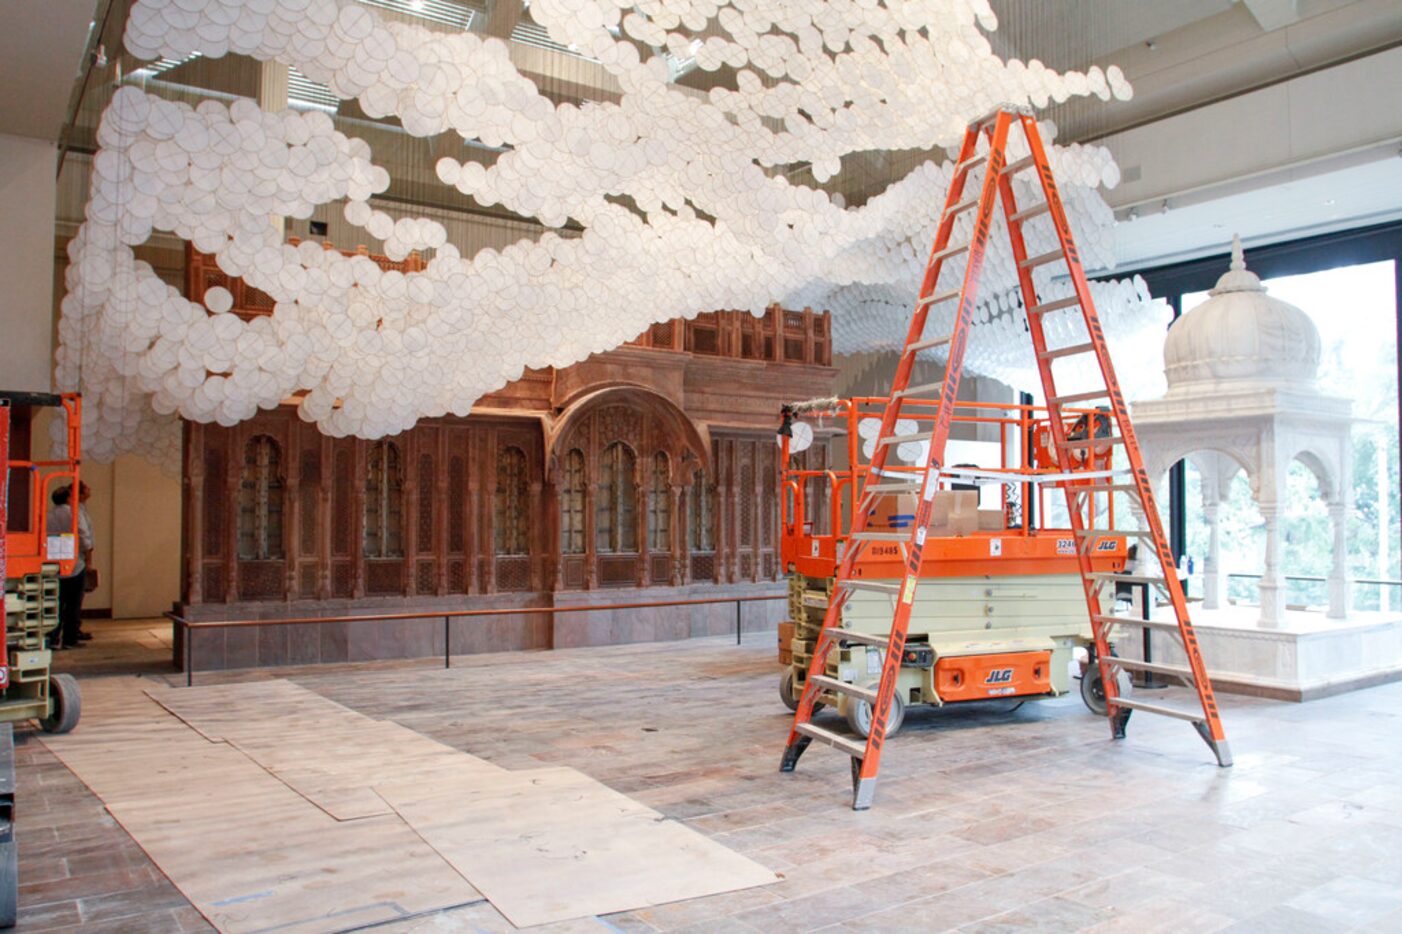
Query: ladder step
x=926, y=345
x=1162, y=625
x=938, y=297
x=1012, y=168
x=1068, y=351
x=856, y=583
x=1128, y=533
x=843, y=687
x=1126, y=578
x=970, y=163
x=850, y=746
x=1106, y=488
x=1035, y=210
x=1194, y=716
x=865, y=638
x=1050, y=256
x=881, y=537
x=1054, y=305
x=1079, y=397
x=947, y=252
x=902, y=439
x=911, y=487
x=963, y=206
x=917, y=390
x=1130, y=664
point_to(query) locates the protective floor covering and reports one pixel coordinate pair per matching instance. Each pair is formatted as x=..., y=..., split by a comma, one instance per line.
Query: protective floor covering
x=273, y=808
x=601, y=852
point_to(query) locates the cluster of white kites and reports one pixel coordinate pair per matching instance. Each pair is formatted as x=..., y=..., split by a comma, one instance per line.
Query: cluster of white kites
x=710, y=222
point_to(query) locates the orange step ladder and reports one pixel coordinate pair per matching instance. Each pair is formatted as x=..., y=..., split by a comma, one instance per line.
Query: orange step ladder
x=996, y=186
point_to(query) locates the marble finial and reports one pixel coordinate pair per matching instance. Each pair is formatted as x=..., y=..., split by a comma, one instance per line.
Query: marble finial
x=1238, y=254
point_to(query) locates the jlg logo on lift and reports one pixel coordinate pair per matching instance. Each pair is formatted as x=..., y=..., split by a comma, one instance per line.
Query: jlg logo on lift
x=999, y=676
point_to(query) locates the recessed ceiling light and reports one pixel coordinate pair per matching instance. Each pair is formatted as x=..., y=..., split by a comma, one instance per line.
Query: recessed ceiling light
x=1329, y=201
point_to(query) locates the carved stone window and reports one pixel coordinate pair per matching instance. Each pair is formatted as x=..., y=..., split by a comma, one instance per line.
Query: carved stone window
x=260, y=501
x=615, y=510
x=659, y=504
x=572, y=504
x=384, y=502
x=699, y=513
x=511, y=518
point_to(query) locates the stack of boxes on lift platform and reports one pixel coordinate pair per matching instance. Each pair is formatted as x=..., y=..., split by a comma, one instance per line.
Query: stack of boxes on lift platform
x=956, y=513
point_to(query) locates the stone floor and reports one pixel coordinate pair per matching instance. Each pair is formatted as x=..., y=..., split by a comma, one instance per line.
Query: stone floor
x=985, y=820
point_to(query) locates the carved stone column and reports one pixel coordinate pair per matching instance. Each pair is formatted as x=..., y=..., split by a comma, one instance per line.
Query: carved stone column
x=1338, y=571
x=1212, y=578
x=1272, y=578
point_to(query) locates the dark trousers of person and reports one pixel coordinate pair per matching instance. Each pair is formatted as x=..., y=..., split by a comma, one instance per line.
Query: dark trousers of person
x=70, y=609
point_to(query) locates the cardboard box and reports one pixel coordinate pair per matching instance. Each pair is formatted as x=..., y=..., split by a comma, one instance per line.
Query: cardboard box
x=990, y=520
x=955, y=513
x=893, y=513
x=786, y=631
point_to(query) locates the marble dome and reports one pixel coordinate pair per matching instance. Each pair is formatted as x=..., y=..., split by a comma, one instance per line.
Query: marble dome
x=1241, y=334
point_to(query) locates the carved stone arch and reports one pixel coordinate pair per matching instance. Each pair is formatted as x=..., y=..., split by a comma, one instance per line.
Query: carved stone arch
x=1326, y=471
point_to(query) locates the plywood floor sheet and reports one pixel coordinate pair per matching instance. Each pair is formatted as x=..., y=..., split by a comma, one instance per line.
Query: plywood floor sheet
x=247, y=850
x=549, y=845
x=274, y=808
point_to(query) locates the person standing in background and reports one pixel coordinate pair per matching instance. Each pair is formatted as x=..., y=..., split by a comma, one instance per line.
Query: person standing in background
x=72, y=587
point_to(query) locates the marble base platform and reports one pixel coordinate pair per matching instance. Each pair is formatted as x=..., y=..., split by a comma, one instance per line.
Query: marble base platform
x=1309, y=657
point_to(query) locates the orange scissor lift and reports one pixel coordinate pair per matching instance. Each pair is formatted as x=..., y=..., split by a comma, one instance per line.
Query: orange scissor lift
x=1002, y=616
x=880, y=613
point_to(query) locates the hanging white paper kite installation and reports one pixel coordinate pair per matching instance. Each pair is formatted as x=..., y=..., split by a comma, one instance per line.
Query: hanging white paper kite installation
x=374, y=351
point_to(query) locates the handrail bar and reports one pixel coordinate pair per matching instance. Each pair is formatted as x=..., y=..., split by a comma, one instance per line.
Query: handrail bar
x=189, y=625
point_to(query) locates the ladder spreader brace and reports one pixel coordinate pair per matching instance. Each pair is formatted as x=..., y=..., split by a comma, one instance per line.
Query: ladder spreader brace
x=996, y=185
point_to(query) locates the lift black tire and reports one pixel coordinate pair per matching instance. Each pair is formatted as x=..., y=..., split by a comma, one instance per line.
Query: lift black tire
x=66, y=702
x=859, y=715
x=787, y=693
x=1093, y=692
